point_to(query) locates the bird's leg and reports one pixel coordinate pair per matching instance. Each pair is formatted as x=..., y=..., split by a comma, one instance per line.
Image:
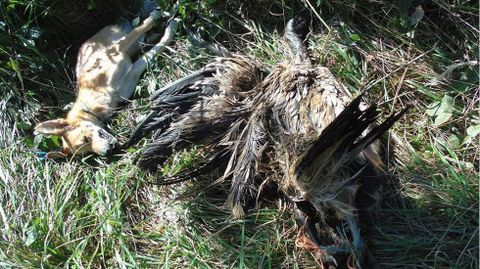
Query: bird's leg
x=307, y=216
x=308, y=224
x=358, y=245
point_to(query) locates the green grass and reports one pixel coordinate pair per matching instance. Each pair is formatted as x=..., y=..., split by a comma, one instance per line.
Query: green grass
x=96, y=212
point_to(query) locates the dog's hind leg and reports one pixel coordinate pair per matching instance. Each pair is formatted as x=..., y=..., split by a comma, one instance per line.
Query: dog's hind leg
x=131, y=38
x=142, y=62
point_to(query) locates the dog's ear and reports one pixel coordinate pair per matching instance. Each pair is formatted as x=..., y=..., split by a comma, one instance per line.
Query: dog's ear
x=52, y=127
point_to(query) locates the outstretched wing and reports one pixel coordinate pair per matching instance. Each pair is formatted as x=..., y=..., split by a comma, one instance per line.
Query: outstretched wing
x=200, y=106
x=174, y=99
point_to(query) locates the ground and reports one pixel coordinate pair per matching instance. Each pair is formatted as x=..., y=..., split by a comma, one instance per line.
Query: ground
x=96, y=212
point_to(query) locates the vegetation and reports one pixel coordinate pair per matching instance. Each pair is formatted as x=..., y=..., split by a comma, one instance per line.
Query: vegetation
x=96, y=212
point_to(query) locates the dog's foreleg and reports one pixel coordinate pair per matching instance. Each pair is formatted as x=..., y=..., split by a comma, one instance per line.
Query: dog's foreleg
x=141, y=63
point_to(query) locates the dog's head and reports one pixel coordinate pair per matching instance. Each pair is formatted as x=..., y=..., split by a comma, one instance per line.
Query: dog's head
x=79, y=137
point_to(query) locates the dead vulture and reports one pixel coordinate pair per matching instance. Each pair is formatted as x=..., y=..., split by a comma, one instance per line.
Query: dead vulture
x=297, y=128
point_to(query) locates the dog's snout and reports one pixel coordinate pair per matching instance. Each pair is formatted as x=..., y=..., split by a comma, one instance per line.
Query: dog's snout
x=112, y=147
x=110, y=151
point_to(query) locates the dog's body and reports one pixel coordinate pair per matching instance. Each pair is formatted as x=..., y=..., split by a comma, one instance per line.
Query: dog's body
x=106, y=76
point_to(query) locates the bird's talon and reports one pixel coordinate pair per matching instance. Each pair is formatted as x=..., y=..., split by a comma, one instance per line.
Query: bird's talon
x=351, y=262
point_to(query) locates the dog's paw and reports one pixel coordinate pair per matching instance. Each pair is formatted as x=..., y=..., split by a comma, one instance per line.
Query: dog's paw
x=157, y=14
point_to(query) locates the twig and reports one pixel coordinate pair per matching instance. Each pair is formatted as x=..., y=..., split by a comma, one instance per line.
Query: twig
x=399, y=86
x=318, y=15
x=452, y=67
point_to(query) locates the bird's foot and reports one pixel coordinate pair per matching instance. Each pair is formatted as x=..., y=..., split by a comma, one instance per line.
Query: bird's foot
x=358, y=245
x=348, y=250
x=321, y=257
x=354, y=247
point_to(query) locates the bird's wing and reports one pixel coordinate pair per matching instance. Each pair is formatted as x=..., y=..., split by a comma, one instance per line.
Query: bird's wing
x=227, y=76
x=344, y=136
x=172, y=100
x=205, y=120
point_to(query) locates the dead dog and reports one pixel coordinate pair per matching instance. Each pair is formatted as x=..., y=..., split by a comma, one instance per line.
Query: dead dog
x=106, y=76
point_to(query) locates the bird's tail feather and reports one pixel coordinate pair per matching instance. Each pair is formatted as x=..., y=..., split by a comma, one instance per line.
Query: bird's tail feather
x=158, y=152
x=179, y=84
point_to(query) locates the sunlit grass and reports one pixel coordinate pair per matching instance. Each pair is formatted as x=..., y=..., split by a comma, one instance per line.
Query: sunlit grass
x=97, y=212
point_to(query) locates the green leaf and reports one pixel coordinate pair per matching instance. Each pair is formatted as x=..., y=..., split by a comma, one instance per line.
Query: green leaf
x=454, y=141
x=433, y=108
x=91, y=5
x=47, y=143
x=355, y=37
x=460, y=86
x=13, y=65
x=27, y=141
x=465, y=79
x=447, y=104
x=473, y=130
x=10, y=7
x=210, y=2
x=182, y=11
x=441, y=111
x=467, y=140
x=22, y=125
x=442, y=118
x=30, y=237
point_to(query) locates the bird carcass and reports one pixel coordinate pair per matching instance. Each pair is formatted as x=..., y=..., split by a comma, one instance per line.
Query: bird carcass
x=297, y=128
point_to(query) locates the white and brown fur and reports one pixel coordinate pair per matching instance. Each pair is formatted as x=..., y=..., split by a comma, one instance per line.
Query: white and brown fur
x=106, y=76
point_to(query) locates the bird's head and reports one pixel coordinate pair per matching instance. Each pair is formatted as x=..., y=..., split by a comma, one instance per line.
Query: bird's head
x=300, y=24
